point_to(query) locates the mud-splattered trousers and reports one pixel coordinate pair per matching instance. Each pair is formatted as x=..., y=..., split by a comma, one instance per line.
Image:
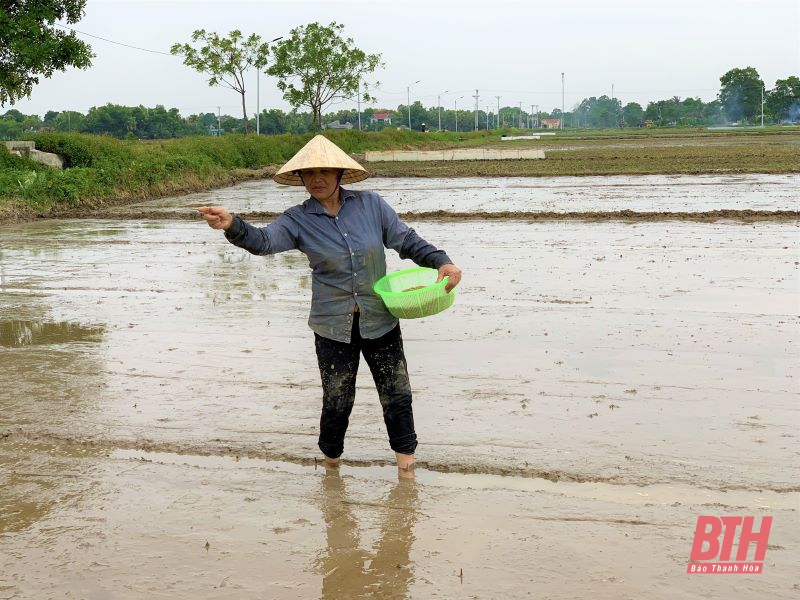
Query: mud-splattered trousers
x=338, y=366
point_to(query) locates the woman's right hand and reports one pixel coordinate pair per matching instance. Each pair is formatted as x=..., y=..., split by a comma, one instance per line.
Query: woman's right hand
x=216, y=216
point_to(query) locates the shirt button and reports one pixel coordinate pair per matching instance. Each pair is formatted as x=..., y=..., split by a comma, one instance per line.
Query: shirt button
x=355, y=293
x=345, y=235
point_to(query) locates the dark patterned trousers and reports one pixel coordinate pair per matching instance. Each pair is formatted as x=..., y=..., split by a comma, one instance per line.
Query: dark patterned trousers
x=338, y=366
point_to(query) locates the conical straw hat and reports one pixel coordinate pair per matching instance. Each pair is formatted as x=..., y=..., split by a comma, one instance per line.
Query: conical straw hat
x=320, y=153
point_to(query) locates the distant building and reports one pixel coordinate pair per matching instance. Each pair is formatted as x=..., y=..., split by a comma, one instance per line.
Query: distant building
x=382, y=117
x=337, y=125
x=551, y=123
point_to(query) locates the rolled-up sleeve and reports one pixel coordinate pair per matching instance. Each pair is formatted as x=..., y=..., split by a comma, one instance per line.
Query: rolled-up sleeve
x=406, y=242
x=279, y=236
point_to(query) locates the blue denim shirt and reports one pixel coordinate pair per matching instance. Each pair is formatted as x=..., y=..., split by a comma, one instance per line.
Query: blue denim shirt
x=346, y=256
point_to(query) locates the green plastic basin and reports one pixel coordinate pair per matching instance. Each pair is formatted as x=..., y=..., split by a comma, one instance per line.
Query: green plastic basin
x=414, y=293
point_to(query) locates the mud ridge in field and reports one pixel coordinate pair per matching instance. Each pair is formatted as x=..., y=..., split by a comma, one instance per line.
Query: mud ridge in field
x=228, y=448
x=746, y=216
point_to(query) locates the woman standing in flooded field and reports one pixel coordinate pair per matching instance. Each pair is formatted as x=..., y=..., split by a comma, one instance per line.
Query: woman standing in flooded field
x=343, y=233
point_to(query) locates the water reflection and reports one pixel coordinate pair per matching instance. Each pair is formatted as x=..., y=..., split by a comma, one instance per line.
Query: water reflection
x=16, y=333
x=35, y=479
x=350, y=571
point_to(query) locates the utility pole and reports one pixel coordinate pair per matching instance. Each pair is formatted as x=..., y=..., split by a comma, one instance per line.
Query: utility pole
x=219, y=122
x=762, y=104
x=408, y=102
x=561, y=124
x=408, y=94
x=455, y=110
x=531, y=117
x=520, y=114
x=498, y=112
x=487, y=118
x=359, y=104
x=439, y=105
x=537, y=116
x=476, y=96
x=258, y=101
x=612, y=91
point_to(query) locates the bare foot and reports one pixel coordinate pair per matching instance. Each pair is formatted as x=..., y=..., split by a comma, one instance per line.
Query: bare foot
x=331, y=462
x=404, y=460
x=405, y=465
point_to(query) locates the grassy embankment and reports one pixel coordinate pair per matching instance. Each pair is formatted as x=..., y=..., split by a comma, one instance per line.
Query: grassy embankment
x=103, y=171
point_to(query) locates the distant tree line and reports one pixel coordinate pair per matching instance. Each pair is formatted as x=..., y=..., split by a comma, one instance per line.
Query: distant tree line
x=739, y=101
x=315, y=66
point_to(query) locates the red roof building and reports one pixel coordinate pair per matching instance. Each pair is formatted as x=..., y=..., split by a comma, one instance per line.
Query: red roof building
x=384, y=116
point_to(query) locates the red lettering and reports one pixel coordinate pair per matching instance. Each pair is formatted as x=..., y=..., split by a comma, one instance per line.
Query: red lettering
x=730, y=525
x=711, y=536
x=748, y=535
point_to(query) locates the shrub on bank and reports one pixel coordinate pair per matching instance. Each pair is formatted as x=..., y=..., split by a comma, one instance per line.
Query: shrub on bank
x=100, y=168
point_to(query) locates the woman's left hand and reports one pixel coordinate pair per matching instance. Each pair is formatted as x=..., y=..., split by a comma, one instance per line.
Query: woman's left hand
x=453, y=273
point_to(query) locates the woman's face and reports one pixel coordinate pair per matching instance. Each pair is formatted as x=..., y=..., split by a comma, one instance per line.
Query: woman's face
x=320, y=183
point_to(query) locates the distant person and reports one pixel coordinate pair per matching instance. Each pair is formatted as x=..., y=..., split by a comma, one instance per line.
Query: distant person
x=423, y=128
x=343, y=233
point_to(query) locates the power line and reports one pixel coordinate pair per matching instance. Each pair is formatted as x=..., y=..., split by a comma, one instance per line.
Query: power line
x=111, y=41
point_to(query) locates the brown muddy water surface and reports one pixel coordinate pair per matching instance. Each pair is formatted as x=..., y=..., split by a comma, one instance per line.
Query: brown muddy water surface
x=594, y=389
x=641, y=193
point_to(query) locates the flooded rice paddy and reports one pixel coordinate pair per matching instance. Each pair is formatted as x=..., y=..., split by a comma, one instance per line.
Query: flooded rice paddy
x=594, y=389
x=642, y=193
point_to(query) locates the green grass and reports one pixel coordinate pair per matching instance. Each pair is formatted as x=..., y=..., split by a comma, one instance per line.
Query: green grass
x=102, y=170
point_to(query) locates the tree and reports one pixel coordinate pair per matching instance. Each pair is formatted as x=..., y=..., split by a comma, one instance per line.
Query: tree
x=713, y=113
x=740, y=93
x=112, y=118
x=783, y=101
x=31, y=45
x=225, y=59
x=316, y=66
x=69, y=120
x=633, y=114
x=599, y=112
x=10, y=128
x=15, y=115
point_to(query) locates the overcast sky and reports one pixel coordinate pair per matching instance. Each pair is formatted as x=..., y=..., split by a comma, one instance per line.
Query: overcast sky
x=513, y=49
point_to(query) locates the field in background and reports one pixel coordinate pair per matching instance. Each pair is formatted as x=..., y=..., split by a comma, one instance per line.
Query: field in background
x=104, y=171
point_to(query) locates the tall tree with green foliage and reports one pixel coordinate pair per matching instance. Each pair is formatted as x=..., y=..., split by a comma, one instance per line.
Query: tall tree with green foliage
x=783, y=101
x=316, y=66
x=599, y=112
x=740, y=93
x=31, y=46
x=225, y=59
x=632, y=114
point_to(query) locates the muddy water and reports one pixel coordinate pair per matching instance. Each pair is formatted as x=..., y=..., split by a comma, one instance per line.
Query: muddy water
x=159, y=390
x=644, y=193
x=136, y=525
